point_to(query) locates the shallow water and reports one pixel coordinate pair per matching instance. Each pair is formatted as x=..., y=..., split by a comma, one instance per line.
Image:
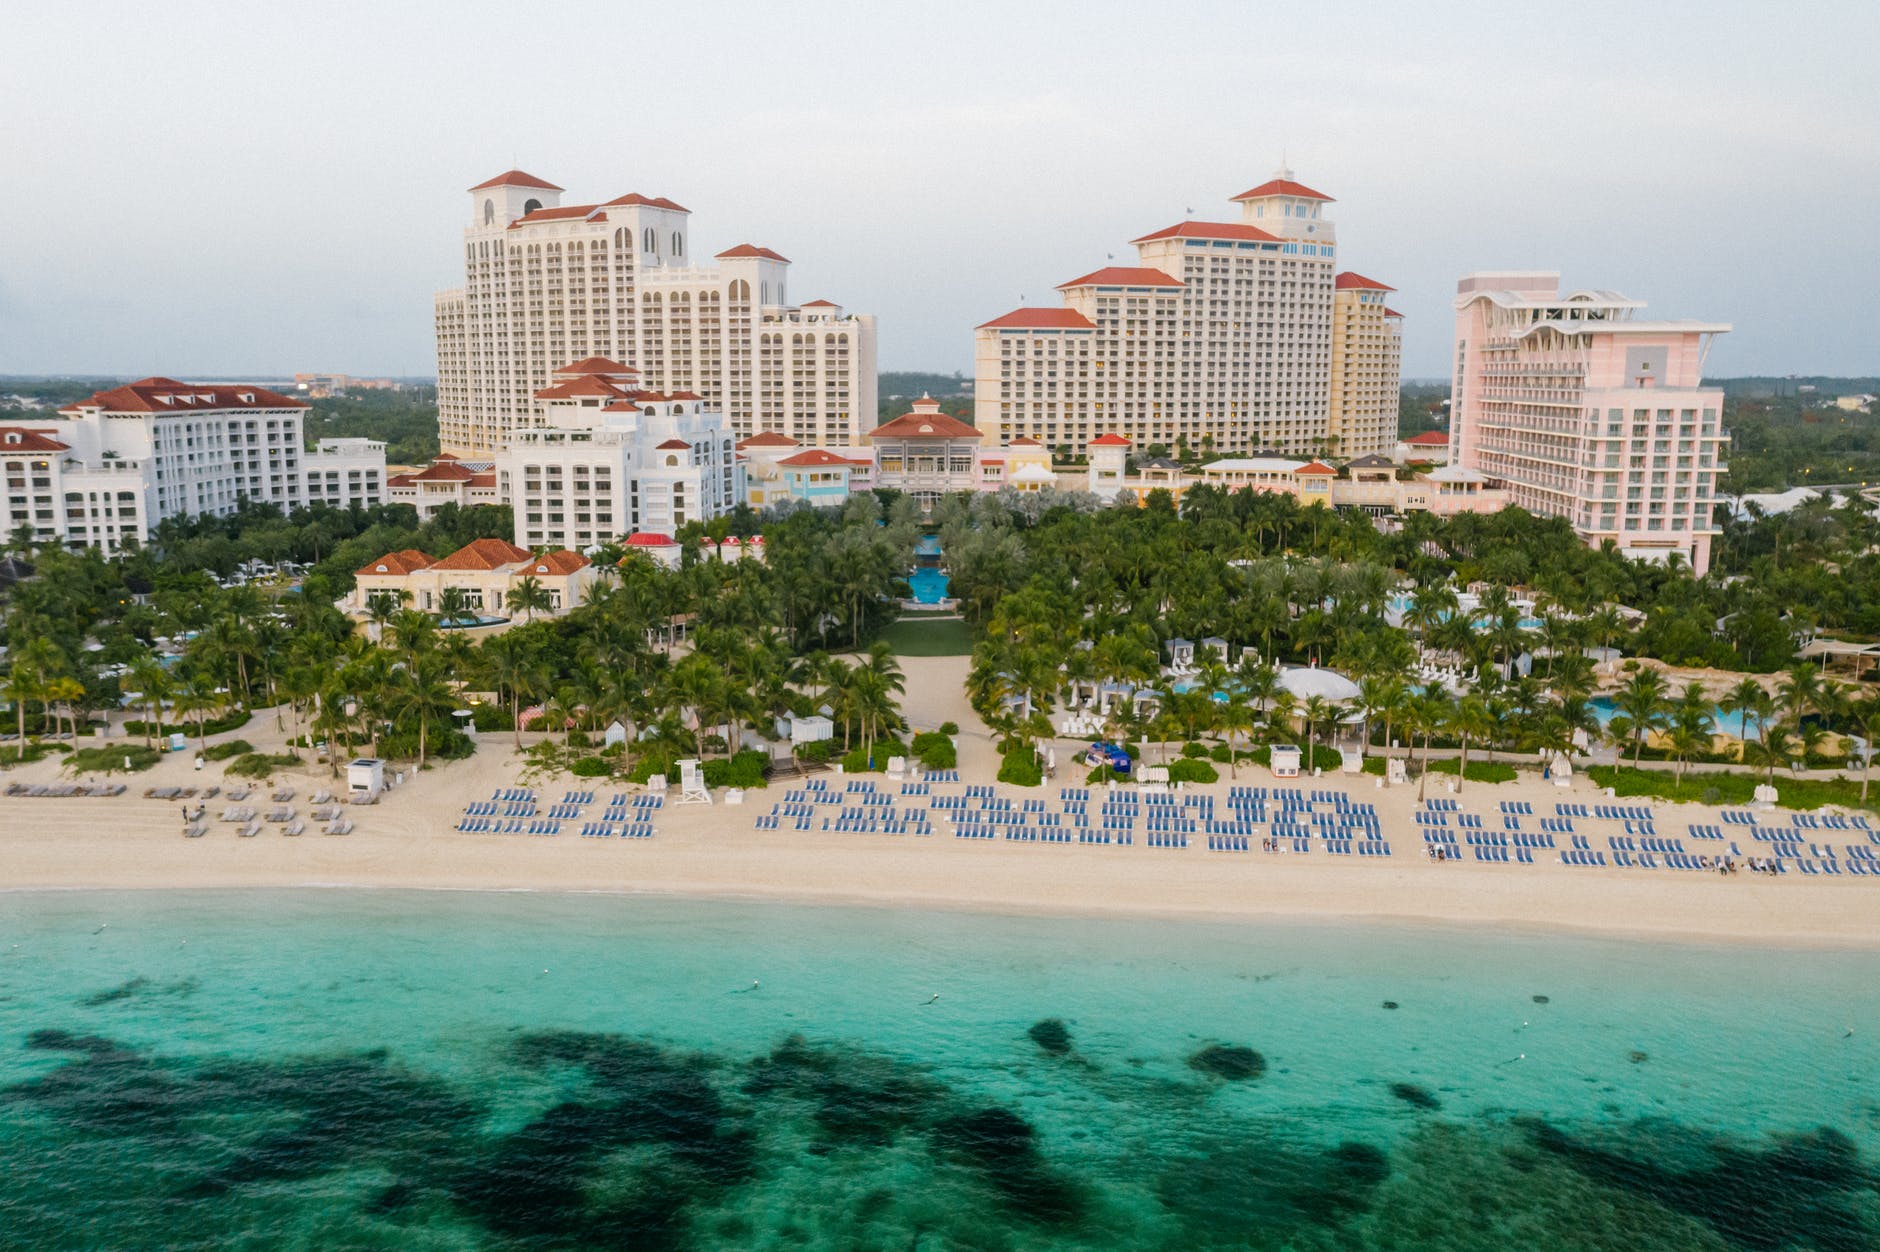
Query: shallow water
x=412, y=1070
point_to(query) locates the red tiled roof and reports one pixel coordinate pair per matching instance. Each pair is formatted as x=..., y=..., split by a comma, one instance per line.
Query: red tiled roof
x=623, y=406
x=1026, y=441
x=1316, y=469
x=1109, y=441
x=813, y=457
x=403, y=562
x=751, y=250
x=820, y=304
x=675, y=445
x=446, y=472
x=685, y=395
x=1282, y=187
x=516, y=178
x=1429, y=439
x=768, y=439
x=483, y=554
x=558, y=562
x=575, y=388
x=1210, y=230
x=1123, y=276
x=924, y=426
x=398, y=480
x=1040, y=319
x=648, y=539
x=1349, y=281
x=148, y=396
x=553, y=215
x=486, y=479
x=731, y=541
x=19, y=439
x=446, y=456
x=651, y=202
x=594, y=365
x=1390, y=312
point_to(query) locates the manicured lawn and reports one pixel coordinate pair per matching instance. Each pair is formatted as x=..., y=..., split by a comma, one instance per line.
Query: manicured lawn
x=1791, y=793
x=929, y=637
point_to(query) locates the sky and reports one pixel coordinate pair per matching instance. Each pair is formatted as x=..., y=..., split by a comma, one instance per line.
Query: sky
x=214, y=191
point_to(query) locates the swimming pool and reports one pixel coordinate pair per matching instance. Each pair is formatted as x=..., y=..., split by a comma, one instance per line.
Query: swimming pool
x=929, y=585
x=1718, y=723
x=468, y=623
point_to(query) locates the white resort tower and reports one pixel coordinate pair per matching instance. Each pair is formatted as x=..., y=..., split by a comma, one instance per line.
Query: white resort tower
x=547, y=283
x=1223, y=336
x=1589, y=413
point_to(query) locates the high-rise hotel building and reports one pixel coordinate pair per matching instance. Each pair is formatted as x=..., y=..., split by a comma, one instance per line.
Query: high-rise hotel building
x=1230, y=336
x=547, y=283
x=1589, y=414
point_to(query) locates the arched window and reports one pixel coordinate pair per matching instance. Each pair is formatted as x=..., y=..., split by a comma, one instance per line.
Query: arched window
x=672, y=459
x=489, y=212
x=530, y=206
x=741, y=290
x=763, y=291
x=678, y=244
x=650, y=242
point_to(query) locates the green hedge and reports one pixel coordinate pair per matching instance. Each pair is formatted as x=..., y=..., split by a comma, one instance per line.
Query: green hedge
x=1194, y=749
x=235, y=719
x=745, y=770
x=441, y=743
x=820, y=750
x=1189, y=769
x=592, y=767
x=1732, y=788
x=1019, y=766
x=1479, y=771
x=490, y=716
x=1103, y=774
x=111, y=760
x=260, y=765
x=935, y=751
x=223, y=751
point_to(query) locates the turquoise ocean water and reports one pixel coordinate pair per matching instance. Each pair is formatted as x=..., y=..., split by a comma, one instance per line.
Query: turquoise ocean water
x=344, y=1069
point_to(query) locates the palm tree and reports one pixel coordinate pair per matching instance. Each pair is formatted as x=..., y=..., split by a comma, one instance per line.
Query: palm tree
x=419, y=692
x=513, y=671
x=1866, y=715
x=1384, y=698
x=1470, y=718
x=197, y=697
x=380, y=606
x=1425, y=713
x=1236, y=722
x=153, y=687
x=66, y=692
x=1642, y=702
x=528, y=597
x=453, y=603
x=1315, y=712
x=1744, y=700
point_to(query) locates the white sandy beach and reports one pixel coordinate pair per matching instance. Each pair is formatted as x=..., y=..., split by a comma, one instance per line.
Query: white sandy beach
x=407, y=841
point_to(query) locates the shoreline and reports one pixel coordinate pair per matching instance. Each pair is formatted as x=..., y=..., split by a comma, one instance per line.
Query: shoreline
x=1668, y=930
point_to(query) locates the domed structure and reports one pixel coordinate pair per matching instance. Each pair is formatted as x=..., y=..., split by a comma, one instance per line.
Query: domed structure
x=1304, y=683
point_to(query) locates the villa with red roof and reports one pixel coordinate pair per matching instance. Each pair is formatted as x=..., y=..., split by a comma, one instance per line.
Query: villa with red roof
x=1431, y=447
x=484, y=572
x=109, y=468
x=619, y=281
x=1234, y=335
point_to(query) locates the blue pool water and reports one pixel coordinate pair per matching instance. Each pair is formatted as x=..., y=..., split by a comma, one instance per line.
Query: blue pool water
x=1718, y=723
x=454, y=1070
x=927, y=545
x=929, y=585
x=468, y=623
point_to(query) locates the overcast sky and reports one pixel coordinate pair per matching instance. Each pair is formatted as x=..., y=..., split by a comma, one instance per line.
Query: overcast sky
x=208, y=189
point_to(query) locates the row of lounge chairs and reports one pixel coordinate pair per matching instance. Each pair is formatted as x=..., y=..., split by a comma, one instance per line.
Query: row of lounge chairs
x=509, y=826
x=623, y=830
x=65, y=791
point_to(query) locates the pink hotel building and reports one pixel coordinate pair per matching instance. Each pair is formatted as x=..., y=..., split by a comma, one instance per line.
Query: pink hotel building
x=1587, y=414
